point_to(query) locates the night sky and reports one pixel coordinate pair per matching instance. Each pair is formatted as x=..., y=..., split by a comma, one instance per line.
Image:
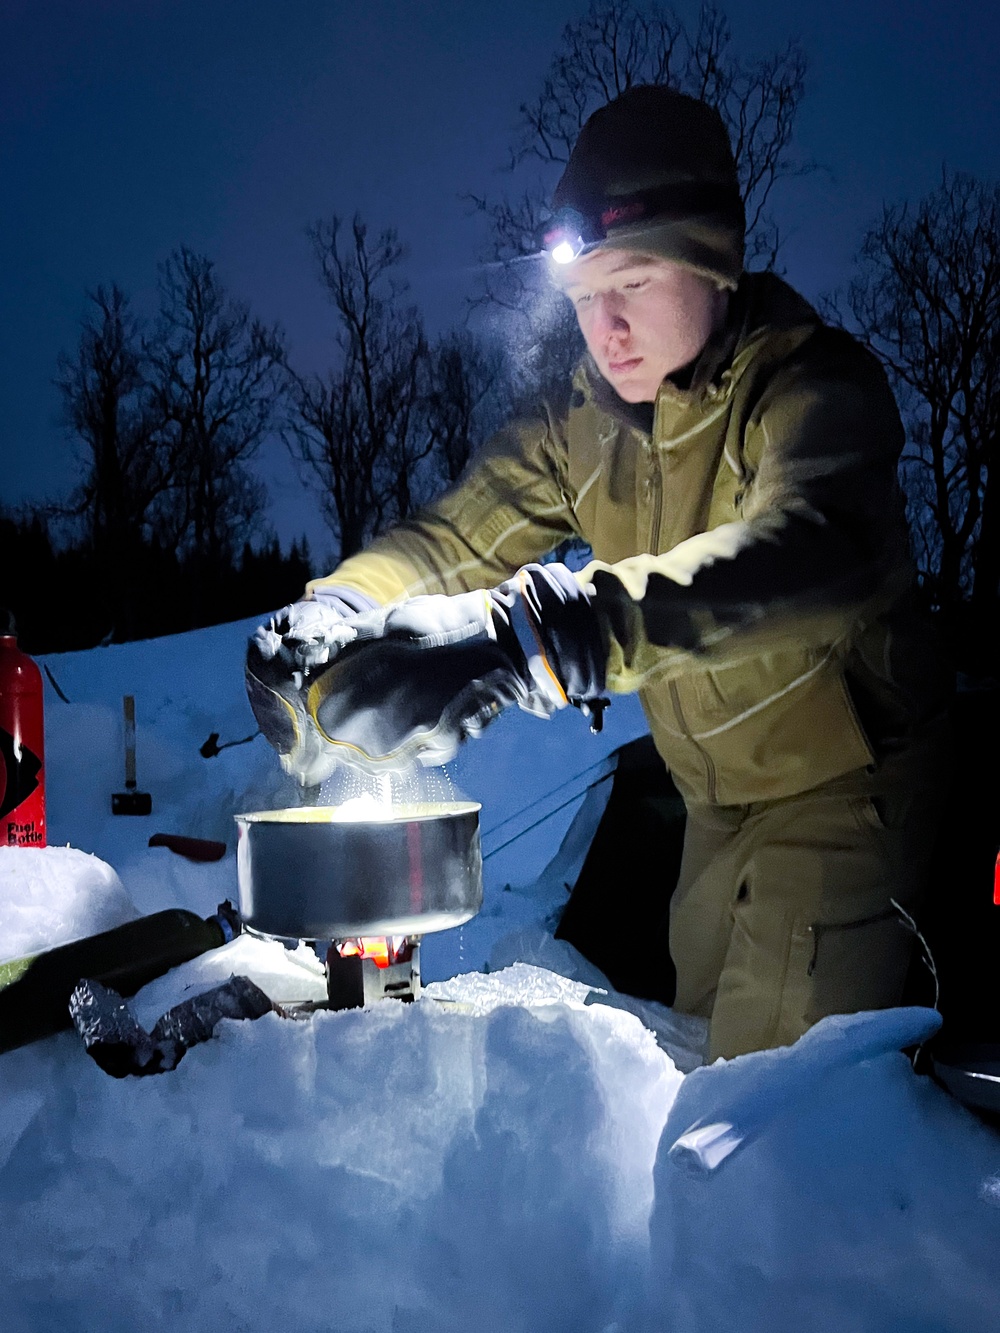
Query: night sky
x=128, y=127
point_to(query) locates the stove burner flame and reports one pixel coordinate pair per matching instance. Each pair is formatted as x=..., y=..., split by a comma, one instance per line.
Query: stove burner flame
x=381, y=949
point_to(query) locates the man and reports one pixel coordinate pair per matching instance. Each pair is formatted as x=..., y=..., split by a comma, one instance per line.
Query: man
x=731, y=462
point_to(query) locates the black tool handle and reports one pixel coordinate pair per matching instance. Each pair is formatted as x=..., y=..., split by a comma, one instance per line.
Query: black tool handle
x=35, y=992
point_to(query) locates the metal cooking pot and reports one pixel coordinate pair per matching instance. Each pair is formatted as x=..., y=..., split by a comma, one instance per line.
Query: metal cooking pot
x=313, y=874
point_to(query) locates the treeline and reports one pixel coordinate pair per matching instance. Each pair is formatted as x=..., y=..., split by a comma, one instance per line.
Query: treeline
x=166, y=528
x=62, y=596
x=169, y=418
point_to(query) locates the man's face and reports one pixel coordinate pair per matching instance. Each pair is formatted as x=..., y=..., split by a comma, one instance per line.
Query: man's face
x=643, y=318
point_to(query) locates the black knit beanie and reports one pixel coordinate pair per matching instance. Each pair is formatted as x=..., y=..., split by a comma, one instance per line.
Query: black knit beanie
x=653, y=171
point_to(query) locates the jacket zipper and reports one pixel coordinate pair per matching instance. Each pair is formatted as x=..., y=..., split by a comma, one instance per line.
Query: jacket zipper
x=656, y=494
x=656, y=519
x=706, y=759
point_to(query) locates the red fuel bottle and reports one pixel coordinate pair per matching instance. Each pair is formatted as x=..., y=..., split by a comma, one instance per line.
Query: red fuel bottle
x=22, y=744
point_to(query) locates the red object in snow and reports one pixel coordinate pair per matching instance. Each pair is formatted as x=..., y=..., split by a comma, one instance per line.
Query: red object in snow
x=22, y=744
x=195, y=849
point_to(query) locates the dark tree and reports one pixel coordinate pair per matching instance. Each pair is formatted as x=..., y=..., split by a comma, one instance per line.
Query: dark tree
x=27, y=568
x=927, y=300
x=217, y=379
x=126, y=467
x=462, y=398
x=359, y=428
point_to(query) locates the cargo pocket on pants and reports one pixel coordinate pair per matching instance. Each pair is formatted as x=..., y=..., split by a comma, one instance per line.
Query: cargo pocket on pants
x=765, y=988
x=858, y=965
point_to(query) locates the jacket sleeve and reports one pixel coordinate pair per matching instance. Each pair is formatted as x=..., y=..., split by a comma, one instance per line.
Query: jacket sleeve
x=821, y=540
x=510, y=507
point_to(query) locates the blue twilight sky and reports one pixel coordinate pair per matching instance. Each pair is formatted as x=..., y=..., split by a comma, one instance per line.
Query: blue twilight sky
x=130, y=126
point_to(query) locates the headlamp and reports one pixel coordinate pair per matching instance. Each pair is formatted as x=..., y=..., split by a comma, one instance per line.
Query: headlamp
x=566, y=235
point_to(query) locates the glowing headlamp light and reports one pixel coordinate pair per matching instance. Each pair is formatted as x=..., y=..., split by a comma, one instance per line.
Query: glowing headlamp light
x=566, y=236
x=565, y=251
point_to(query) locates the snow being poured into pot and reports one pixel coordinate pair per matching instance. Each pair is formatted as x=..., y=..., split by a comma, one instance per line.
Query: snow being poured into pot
x=356, y=794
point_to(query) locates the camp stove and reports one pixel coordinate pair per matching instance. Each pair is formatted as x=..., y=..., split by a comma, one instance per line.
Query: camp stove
x=361, y=971
x=361, y=891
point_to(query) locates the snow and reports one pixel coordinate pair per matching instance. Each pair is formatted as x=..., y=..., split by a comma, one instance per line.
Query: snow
x=522, y=1149
x=56, y=894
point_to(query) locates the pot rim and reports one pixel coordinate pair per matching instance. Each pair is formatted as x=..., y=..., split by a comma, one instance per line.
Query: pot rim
x=406, y=813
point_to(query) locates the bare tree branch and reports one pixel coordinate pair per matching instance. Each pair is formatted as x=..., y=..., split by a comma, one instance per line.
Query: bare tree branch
x=358, y=428
x=927, y=300
x=106, y=409
x=216, y=378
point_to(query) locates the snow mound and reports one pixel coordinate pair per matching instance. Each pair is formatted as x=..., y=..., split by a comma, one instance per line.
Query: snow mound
x=519, y=984
x=409, y=1165
x=826, y=1186
x=286, y=976
x=52, y=895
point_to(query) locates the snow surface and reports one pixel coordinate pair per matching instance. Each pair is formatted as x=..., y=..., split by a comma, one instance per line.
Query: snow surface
x=522, y=1149
x=54, y=895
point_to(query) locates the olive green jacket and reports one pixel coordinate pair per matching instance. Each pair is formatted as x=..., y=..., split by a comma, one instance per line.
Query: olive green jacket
x=751, y=561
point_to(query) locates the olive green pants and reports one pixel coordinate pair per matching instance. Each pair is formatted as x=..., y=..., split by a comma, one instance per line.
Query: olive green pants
x=784, y=910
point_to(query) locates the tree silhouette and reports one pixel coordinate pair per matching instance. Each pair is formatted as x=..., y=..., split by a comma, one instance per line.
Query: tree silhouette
x=358, y=429
x=927, y=300
x=461, y=403
x=126, y=466
x=216, y=376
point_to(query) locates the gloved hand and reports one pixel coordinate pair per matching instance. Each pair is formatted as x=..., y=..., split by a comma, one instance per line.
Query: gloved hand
x=282, y=655
x=410, y=681
x=305, y=634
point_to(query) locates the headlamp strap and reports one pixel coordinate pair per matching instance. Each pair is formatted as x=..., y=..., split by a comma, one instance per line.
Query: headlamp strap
x=666, y=203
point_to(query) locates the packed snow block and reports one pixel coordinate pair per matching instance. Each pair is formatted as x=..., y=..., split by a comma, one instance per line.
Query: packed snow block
x=288, y=976
x=480, y=1163
x=745, y=1100
x=52, y=895
x=838, y=1190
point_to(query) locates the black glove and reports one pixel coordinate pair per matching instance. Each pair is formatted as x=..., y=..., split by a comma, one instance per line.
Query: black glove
x=410, y=681
x=548, y=629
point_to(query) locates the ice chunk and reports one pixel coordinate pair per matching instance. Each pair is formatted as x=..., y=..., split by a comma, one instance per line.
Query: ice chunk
x=53, y=895
x=520, y=984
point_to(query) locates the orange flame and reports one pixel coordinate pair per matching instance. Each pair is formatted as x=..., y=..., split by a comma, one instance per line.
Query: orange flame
x=382, y=950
